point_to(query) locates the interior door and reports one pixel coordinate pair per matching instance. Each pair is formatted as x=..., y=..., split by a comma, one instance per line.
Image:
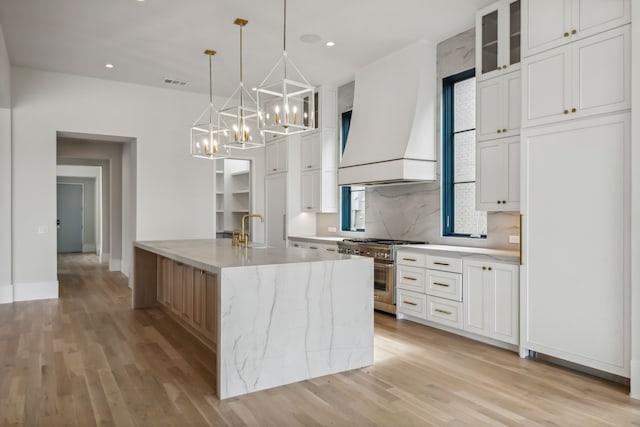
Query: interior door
x=275, y=195
x=69, y=208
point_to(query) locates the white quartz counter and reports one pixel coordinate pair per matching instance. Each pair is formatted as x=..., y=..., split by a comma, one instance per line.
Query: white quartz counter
x=214, y=254
x=318, y=239
x=513, y=256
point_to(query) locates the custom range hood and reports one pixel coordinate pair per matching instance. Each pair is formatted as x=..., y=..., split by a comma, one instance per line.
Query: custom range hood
x=392, y=136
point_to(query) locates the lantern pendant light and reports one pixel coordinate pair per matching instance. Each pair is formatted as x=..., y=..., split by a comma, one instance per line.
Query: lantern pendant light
x=238, y=117
x=205, y=136
x=286, y=104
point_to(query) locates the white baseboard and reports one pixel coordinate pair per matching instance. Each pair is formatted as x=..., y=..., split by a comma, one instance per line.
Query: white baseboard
x=115, y=264
x=35, y=290
x=89, y=247
x=635, y=379
x=104, y=258
x=6, y=294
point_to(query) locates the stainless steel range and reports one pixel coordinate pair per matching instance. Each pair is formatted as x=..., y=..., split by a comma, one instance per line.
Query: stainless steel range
x=383, y=252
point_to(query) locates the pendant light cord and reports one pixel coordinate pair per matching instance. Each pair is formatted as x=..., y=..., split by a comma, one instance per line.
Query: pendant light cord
x=284, y=38
x=210, y=92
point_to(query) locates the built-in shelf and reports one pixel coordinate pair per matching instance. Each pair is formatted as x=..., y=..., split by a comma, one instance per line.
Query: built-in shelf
x=240, y=173
x=241, y=191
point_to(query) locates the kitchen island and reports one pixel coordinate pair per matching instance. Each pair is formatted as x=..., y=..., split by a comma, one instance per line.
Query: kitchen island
x=271, y=316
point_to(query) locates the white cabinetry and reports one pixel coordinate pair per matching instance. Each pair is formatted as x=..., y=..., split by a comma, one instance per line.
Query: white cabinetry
x=498, y=38
x=588, y=77
x=498, y=107
x=548, y=24
x=575, y=244
x=491, y=300
x=276, y=155
x=318, y=157
x=275, y=213
x=498, y=175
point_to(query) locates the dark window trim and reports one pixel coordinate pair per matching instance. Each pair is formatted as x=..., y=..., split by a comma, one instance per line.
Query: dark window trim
x=448, y=218
x=345, y=192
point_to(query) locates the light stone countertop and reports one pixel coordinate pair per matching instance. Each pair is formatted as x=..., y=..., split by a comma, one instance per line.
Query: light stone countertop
x=466, y=250
x=215, y=254
x=318, y=239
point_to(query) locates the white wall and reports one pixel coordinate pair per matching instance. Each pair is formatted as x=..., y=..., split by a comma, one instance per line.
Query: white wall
x=635, y=204
x=6, y=291
x=168, y=204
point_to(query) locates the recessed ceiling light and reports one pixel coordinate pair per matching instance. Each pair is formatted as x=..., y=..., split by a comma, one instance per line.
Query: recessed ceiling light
x=254, y=89
x=330, y=44
x=310, y=38
x=109, y=66
x=140, y=0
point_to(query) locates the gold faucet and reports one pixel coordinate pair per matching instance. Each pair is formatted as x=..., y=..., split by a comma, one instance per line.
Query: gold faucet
x=243, y=238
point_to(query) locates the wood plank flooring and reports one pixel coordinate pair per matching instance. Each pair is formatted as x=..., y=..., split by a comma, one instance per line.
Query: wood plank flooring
x=88, y=359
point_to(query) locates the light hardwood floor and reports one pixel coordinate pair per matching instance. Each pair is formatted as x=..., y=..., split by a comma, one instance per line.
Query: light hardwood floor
x=88, y=359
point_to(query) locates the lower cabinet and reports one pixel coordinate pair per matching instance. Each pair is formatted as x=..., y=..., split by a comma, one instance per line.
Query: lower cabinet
x=491, y=300
x=190, y=296
x=470, y=293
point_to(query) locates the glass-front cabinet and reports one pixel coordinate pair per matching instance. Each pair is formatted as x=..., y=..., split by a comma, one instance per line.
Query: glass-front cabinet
x=498, y=39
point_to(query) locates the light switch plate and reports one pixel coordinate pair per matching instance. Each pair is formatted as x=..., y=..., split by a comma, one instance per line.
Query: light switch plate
x=43, y=229
x=514, y=239
x=331, y=229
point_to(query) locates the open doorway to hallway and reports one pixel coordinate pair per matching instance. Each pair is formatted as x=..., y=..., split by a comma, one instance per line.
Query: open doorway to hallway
x=114, y=226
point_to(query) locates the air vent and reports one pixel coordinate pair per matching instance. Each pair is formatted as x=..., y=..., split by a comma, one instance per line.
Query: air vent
x=174, y=82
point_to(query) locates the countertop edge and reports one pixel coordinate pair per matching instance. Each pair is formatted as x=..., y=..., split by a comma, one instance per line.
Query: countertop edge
x=503, y=254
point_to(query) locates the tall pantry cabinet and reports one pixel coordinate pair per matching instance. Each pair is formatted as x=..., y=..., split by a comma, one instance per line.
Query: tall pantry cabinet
x=575, y=191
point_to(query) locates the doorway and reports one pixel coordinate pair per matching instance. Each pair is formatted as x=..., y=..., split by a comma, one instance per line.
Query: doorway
x=70, y=217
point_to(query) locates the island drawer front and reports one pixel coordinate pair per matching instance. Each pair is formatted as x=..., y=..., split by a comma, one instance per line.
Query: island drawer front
x=444, y=284
x=412, y=303
x=411, y=278
x=444, y=311
x=442, y=263
x=411, y=258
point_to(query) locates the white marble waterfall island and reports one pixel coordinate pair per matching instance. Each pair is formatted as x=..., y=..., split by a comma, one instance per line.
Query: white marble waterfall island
x=272, y=316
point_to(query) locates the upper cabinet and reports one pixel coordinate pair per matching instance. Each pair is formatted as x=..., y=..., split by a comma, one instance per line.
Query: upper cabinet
x=588, y=77
x=552, y=23
x=276, y=155
x=318, y=159
x=498, y=39
x=498, y=107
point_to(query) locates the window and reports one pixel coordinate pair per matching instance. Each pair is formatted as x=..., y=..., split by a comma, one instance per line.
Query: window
x=460, y=217
x=353, y=197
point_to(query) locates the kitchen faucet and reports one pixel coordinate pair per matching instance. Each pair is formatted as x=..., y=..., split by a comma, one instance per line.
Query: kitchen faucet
x=243, y=238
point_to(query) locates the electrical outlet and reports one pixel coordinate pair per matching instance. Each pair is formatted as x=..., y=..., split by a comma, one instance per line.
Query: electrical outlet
x=43, y=229
x=514, y=239
x=331, y=229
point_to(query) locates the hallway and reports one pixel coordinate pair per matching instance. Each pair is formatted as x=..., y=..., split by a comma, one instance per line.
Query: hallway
x=89, y=359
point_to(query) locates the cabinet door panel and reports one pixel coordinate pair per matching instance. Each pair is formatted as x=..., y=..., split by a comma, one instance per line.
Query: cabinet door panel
x=575, y=304
x=544, y=24
x=275, y=198
x=488, y=117
x=547, y=89
x=306, y=196
x=177, y=288
x=311, y=151
x=188, y=296
x=210, y=307
x=504, y=304
x=513, y=201
x=199, y=283
x=492, y=175
x=594, y=16
x=512, y=104
x=474, y=298
x=601, y=80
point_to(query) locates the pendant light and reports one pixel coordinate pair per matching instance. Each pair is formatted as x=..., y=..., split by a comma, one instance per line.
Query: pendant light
x=286, y=104
x=238, y=117
x=205, y=136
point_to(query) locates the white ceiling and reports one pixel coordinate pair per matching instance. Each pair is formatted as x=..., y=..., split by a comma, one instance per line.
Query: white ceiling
x=157, y=39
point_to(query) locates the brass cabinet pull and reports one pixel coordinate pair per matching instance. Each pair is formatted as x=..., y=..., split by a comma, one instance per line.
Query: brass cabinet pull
x=448, y=313
x=499, y=202
x=504, y=202
x=504, y=67
x=313, y=247
x=409, y=259
x=504, y=131
x=499, y=131
x=573, y=110
x=409, y=303
x=499, y=67
x=484, y=268
x=409, y=278
x=330, y=250
x=308, y=166
x=441, y=263
x=274, y=169
x=441, y=284
x=573, y=31
x=489, y=268
x=566, y=34
x=566, y=111
x=308, y=207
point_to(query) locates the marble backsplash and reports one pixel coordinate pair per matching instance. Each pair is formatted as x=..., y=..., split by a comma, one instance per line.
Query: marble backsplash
x=412, y=212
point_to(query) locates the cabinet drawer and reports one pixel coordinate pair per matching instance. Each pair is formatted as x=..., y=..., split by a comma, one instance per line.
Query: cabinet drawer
x=411, y=258
x=442, y=263
x=412, y=303
x=444, y=311
x=411, y=278
x=445, y=285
